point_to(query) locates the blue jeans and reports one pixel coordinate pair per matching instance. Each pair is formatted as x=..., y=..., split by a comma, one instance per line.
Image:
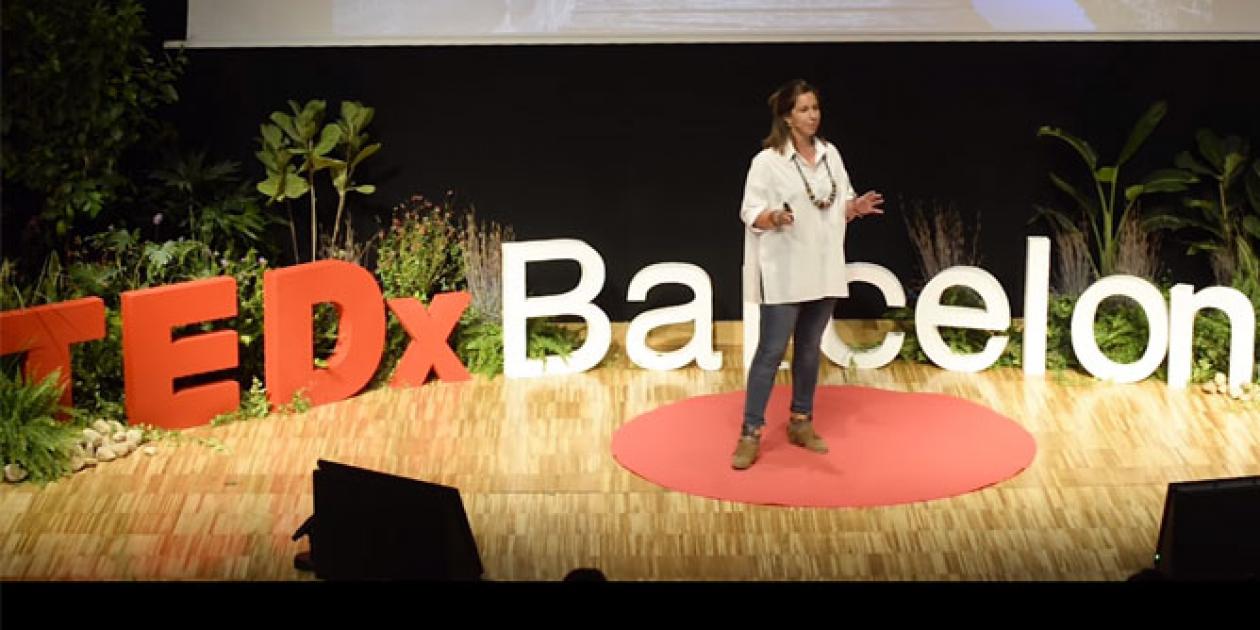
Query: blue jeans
x=804, y=323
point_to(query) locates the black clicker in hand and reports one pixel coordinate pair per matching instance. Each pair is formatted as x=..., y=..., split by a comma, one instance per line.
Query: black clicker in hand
x=786, y=217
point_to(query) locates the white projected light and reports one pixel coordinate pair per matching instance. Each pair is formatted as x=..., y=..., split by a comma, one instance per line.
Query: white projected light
x=226, y=23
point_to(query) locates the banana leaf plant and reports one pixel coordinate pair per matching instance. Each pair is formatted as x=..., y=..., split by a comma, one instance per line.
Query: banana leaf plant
x=1101, y=212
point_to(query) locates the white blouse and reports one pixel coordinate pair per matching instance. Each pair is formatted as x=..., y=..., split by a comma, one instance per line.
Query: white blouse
x=805, y=260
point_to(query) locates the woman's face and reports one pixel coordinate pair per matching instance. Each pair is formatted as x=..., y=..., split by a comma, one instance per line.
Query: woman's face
x=805, y=115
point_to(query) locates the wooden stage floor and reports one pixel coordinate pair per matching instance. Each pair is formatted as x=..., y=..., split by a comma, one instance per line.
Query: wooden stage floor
x=544, y=494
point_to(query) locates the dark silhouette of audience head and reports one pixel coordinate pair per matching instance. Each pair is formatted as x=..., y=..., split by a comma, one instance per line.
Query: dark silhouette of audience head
x=586, y=574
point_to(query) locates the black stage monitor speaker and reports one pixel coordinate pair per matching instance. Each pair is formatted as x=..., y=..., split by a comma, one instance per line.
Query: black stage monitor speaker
x=1211, y=530
x=375, y=526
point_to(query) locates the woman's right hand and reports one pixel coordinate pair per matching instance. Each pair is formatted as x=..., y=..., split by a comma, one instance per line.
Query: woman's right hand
x=771, y=219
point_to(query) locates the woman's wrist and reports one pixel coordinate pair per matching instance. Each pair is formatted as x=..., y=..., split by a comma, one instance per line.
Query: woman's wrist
x=770, y=219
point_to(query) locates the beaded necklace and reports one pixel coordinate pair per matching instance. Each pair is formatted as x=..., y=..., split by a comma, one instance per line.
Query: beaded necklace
x=821, y=204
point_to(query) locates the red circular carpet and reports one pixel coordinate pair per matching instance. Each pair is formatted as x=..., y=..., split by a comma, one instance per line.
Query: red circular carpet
x=886, y=448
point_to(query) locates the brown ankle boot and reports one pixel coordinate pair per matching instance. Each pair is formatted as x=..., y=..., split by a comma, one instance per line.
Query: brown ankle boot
x=746, y=451
x=801, y=433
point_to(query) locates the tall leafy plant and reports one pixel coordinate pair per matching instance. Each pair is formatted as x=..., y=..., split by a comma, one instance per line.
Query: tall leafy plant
x=1223, y=215
x=354, y=148
x=1102, y=213
x=307, y=136
x=304, y=134
x=283, y=183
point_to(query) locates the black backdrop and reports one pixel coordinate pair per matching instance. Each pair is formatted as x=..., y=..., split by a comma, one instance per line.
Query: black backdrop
x=641, y=150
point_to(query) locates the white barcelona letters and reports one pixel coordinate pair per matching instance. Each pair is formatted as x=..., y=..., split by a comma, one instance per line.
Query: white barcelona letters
x=1170, y=322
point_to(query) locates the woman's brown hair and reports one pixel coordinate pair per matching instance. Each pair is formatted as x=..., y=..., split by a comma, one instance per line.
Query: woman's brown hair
x=781, y=104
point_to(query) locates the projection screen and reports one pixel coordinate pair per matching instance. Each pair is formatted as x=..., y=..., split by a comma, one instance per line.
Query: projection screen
x=256, y=23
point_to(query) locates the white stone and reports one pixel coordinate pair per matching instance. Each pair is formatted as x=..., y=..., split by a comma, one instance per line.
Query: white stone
x=101, y=427
x=14, y=473
x=150, y=450
x=106, y=454
x=135, y=436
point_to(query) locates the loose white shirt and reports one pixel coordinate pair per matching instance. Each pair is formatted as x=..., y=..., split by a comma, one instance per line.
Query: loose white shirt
x=804, y=260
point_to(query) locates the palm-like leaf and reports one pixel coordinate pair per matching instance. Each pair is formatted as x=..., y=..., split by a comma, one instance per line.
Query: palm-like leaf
x=1167, y=221
x=1141, y=131
x=1234, y=164
x=1251, y=224
x=1162, y=181
x=1212, y=148
x=1082, y=147
x=1253, y=187
x=1056, y=218
x=1188, y=162
x=1086, y=204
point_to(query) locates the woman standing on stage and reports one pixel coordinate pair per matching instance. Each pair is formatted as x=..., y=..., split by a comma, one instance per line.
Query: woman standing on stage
x=797, y=202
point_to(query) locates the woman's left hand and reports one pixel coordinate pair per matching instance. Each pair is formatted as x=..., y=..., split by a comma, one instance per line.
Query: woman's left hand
x=868, y=203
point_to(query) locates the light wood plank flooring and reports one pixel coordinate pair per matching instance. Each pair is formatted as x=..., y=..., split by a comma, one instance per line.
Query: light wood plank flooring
x=544, y=494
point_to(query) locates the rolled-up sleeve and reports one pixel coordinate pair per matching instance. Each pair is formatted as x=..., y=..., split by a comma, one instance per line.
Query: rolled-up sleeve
x=756, y=194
